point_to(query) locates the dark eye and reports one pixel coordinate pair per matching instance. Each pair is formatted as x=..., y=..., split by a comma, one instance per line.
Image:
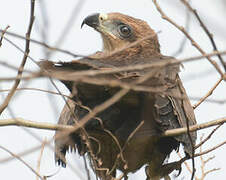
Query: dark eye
x=124, y=30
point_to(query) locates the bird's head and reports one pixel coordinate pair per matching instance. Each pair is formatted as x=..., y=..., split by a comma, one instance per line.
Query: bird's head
x=119, y=30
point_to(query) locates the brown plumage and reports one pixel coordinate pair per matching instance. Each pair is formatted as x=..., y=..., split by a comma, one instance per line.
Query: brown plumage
x=127, y=41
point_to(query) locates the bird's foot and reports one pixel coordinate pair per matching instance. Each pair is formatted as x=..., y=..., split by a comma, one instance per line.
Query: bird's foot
x=156, y=173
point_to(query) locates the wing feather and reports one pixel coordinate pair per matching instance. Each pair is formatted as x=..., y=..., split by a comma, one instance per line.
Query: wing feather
x=173, y=108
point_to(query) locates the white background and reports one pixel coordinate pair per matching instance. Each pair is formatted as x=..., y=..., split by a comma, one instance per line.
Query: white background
x=37, y=106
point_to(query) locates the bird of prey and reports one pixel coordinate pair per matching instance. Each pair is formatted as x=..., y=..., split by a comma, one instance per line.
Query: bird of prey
x=126, y=135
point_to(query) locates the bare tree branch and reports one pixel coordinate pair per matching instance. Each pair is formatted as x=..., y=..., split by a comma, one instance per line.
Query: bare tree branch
x=40, y=157
x=193, y=42
x=209, y=136
x=210, y=35
x=42, y=44
x=3, y=33
x=209, y=93
x=27, y=46
x=26, y=164
x=49, y=126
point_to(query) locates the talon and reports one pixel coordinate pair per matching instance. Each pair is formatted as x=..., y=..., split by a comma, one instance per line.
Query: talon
x=179, y=171
x=178, y=167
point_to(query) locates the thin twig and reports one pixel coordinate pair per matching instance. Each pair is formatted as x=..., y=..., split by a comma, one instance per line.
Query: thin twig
x=210, y=92
x=27, y=46
x=204, y=162
x=193, y=42
x=3, y=33
x=20, y=159
x=43, y=44
x=40, y=157
x=32, y=124
x=208, y=137
x=210, y=35
x=211, y=149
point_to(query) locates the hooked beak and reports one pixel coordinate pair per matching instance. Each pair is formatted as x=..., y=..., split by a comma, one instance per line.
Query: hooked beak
x=92, y=21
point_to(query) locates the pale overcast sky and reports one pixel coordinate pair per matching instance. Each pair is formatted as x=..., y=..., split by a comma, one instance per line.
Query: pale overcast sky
x=36, y=106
